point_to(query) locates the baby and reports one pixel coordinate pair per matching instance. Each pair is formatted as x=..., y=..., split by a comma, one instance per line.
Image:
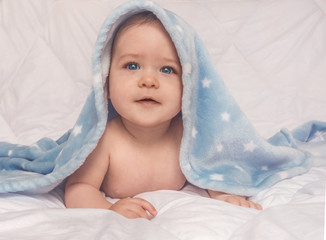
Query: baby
x=139, y=150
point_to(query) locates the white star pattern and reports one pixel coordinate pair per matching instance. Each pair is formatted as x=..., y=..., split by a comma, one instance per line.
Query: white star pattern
x=194, y=132
x=206, y=83
x=249, y=147
x=77, y=130
x=216, y=177
x=225, y=117
x=219, y=147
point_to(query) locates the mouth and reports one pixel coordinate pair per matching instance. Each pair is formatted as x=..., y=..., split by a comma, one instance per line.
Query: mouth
x=147, y=100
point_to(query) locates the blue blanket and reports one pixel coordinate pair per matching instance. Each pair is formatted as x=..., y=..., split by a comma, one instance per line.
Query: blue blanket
x=220, y=149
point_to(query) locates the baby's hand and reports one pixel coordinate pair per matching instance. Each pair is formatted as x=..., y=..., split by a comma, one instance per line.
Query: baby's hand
x=134, y=208
x=234, y=199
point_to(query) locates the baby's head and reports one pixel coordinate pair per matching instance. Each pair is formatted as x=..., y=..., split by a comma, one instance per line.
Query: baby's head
x=145, y=73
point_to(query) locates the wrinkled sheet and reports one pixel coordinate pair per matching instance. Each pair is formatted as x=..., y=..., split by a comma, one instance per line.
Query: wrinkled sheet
x=293, y=209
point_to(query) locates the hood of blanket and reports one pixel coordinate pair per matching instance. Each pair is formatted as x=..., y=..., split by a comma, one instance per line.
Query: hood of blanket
x=220, y=149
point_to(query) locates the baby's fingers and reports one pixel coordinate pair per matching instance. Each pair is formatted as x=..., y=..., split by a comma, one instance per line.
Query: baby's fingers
x=250, y=204
x=255, y=205
x=147, y=206
x=137, y=212
x=134, y=208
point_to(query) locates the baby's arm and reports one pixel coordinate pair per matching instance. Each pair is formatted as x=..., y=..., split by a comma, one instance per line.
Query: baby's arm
x=83, y=188
x=234, y=199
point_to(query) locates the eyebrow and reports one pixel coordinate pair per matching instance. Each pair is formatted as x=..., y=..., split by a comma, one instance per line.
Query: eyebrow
x=135, y=55
x=175, y=61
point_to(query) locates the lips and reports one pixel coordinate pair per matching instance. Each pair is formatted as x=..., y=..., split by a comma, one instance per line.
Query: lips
x=147, y=100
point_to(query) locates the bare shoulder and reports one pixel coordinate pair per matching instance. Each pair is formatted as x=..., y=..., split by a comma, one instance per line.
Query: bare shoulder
x=112, y=135
x=95, y=165
x=101, y=153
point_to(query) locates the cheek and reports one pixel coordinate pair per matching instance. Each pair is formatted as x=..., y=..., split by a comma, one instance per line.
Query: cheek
x=175, y=95
x=114, y=85
x=179, y=90
x=115, y=92
x=118, y=102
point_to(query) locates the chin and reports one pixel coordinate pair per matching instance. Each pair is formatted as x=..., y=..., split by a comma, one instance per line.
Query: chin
x=154, y=123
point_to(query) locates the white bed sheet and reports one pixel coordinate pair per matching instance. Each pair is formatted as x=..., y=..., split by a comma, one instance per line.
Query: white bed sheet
x=271, y=55
x=293, y=209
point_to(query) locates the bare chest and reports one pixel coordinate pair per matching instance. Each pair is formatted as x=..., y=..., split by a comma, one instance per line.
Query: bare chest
x=133, y=171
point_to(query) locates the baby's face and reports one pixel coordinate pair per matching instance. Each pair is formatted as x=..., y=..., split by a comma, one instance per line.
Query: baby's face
x=145, y=75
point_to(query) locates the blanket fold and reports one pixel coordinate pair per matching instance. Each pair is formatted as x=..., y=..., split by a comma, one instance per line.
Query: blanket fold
x=220, y=148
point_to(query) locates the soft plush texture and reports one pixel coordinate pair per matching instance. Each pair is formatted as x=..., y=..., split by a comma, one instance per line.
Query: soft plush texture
x=220, y=148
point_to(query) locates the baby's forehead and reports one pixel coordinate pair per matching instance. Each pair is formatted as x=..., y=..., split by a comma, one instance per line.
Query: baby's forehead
x=137, y=20
x=145, y=17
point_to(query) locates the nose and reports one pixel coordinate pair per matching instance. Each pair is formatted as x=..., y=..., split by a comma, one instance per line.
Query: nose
x=148, y=80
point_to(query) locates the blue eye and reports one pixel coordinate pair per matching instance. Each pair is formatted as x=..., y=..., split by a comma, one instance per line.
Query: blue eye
x=167, y=70
x=132, y=66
